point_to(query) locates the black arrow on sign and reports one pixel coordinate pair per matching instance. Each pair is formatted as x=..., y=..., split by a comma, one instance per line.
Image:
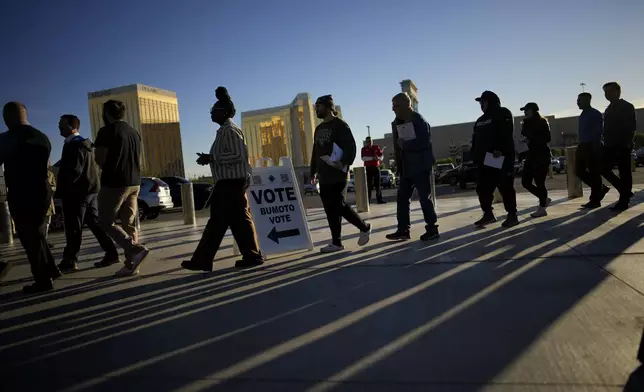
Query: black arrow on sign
x=275, y=235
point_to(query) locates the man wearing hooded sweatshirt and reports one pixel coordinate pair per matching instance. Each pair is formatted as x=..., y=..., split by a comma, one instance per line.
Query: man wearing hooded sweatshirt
x=494, y=134
x=78, y=188
x=536, y=131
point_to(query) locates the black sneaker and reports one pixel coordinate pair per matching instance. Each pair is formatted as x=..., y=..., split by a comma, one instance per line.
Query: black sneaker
x=196, y=266
x=486, y=219
x=591, y=205
x=50, y=245
x=620, y=206
x=67, y=267
x=431, y=234
x=511, y=221
x=39, y=287
x=382, y=202
x=4, y=269
x=107, y=261
x=55, y=273
x=399, y=236
x=243, y=263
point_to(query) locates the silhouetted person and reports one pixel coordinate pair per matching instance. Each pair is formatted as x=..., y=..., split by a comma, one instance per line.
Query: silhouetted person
x=414, y=159
x=536, y=130
x=231, y=172
x=24, y=150
x=118, y=153
x=372, y=156
x=620, y=123
x=78, y=186
x=587, y=159
x=494, y=134
x=334, y=150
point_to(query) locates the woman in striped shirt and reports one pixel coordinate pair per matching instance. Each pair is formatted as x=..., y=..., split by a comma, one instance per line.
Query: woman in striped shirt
x=228, y=160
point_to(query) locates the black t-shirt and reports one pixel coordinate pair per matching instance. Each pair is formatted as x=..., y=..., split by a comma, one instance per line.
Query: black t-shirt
x=122, y=165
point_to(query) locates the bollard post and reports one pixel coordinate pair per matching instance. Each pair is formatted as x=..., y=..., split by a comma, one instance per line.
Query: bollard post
x=188, y=204
x=432, y=184
x=573, y=182
x=360, y=182
x=6, y=228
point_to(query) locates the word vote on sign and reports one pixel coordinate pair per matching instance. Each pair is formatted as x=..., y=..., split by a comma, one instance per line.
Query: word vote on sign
x=278, y=213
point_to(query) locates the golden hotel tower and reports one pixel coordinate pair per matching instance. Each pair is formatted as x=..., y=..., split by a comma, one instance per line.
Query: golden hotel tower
x=154, y=113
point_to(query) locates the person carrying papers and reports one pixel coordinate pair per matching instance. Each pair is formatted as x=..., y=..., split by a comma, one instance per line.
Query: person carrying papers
x=334, y=150
x=493, y=152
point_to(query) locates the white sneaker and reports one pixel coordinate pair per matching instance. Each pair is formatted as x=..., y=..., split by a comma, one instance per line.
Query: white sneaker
x=331, y=248
x=364, y=236
x=540, y=212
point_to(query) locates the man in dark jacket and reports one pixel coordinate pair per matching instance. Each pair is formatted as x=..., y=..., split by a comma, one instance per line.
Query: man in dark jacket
x=414, y=160
x=494, y=137
x=334, y=149
x=536, y=131
x=78, y=189
x=620, y=124
x=24, y=151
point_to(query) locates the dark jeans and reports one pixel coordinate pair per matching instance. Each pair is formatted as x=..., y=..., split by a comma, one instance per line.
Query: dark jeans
x=373, y=179
x=535, y=171
x=488, y=180
x=588, y=169
x=79, y=211
x=405, y=191
x=622, y=158
x=336, y=208
x=229, y=209
x=33, y=238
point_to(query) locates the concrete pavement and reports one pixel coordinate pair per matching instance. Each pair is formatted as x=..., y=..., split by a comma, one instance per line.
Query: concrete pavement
x=554, y=304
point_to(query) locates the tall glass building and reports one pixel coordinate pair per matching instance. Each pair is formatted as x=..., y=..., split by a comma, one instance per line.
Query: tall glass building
x=154, y=113
x=282, y=131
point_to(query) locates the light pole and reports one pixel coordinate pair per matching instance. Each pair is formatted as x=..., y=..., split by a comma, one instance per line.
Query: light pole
x=368, y=131
x=583, y=87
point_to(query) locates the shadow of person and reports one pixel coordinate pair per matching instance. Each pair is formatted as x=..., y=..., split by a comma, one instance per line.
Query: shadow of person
x=635, y=381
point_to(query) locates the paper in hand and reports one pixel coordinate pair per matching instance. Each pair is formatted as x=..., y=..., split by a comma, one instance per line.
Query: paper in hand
x=491, y=161
x=406, y=131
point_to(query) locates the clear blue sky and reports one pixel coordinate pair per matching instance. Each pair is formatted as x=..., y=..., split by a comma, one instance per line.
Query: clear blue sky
x=357, y=50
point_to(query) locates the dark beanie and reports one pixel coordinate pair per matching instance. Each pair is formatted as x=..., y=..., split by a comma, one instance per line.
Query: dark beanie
x=327, y=100
x=224, y=101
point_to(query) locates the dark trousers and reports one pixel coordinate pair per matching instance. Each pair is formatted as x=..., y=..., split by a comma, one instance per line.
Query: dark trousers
x=588, y=169
x=535, y=171
x=490, y=179
x=32, y=236
x=405, y=191
x=373, y=180
x=336, y=208
x=229, y=209
x=79, y=211
x=622, y=158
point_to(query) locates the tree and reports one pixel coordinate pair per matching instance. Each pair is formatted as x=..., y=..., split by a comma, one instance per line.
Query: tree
x=639, y=140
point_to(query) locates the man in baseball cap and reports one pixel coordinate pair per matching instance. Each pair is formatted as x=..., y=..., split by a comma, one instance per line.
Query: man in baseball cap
x=536, y=131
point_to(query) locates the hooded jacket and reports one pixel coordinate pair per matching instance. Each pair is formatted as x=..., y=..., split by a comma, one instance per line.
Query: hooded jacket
x=78, y=172
x=494, y=131
x=537, y=131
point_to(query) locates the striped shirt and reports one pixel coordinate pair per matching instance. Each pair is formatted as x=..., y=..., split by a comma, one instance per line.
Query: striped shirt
x=229, y=154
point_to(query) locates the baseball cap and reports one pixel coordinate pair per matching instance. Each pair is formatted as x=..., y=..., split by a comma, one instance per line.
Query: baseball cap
x=530, y=105
x=488, y=96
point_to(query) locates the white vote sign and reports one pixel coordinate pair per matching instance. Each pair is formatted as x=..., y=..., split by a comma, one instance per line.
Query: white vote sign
x=278, y=212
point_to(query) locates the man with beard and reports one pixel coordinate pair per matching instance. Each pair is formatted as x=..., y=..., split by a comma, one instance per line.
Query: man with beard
x=24, y=150
x=334, y=150
x=118, y=153
x=494, y=134
x=414, y=160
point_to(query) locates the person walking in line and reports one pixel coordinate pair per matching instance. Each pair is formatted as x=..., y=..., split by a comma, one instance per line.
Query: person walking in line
x=493, y=137
x=231, y=172
x=78, y=186
x=414, y=156
x=118, y=153
x=536, y=130
x=587, y=158
x=334, y=149
x=372, y=157
x=51, y=211
x=24, y=151
x=620, y=123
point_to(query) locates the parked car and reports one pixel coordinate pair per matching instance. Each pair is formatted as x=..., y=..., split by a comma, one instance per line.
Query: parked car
x=443, y=167
x=154, y=197
x=562, y=161
x=310, y=189
x=388, y=179
x=351, y=186
x=201, y=192
x=462, y=175
x=175, y=188
x=556, y=164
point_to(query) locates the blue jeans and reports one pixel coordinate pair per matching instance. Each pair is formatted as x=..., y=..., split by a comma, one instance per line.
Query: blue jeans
x=405, y=191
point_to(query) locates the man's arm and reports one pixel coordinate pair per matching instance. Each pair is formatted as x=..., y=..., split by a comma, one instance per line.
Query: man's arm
x=597, y=127
x=397, y=152
x=347, y=143
x=70, y=168
x=631, y=122
x=100, y=147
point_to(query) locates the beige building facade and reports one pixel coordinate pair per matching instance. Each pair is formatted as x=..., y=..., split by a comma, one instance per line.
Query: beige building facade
x=154, y=113
x=282, y=131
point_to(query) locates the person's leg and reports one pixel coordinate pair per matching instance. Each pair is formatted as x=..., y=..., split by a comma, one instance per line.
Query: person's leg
x=528, y=176
x=423, y=186
x=351, y=215
x=485, y=185
x=625, y=174
x=406, y=189
x=73, y=211
x=90, y=217
x=128, y=212
x=597, y=188
x=581, y=164
x=242, y=226
x=109, y=206
x=610, y=158
x=505, y=183
x=370, y=182
x=378, y=185
x=43, y=267
x=331, y=195
x=540, y=170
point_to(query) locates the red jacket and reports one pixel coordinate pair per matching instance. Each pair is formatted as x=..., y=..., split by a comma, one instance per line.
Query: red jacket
x=373, y=152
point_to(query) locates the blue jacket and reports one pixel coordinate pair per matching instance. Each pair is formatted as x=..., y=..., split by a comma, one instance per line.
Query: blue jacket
x=416, y=157
x=591, y=127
